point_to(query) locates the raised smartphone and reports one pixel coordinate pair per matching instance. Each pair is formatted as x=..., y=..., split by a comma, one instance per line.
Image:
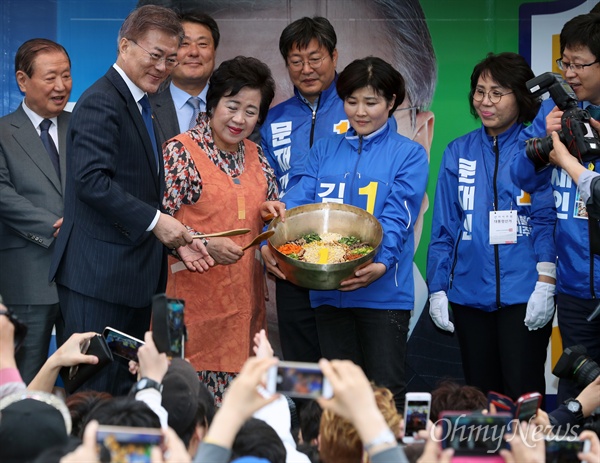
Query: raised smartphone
x=565, y=449
x=129, y=444
x=527, y=406
x=122, y=344
x=298, y=379
x=417, y=406
x=475, y=434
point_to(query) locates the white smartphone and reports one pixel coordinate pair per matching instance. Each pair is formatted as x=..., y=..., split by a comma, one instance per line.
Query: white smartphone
x=417, y=406
x=122, y=344
x=298, y=379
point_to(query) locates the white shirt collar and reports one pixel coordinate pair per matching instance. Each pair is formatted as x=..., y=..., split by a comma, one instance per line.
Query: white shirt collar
x=36, y=119
x=136, y=92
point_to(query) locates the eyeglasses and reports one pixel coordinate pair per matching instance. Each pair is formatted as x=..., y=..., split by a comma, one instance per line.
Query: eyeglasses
x=413, y=115
x=155, y=58
x=314, y=63
x=572, y=66
x=493, y=95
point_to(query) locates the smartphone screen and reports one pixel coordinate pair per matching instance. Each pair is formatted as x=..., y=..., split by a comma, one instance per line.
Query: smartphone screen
x=176, y=327
x=527, y=408
x=299, y=380
x=563, y=450
x=128, y=445
x=416, y=415
x=122, y=344
x=475, y=434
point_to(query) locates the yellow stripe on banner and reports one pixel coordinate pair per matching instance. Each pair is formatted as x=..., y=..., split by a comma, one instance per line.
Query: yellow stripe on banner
x=555, y=52
x=556, y=345
x=241, y=200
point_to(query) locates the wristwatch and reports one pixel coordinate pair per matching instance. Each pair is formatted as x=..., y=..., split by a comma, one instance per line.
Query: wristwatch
x=146, y=383
x=574, y=406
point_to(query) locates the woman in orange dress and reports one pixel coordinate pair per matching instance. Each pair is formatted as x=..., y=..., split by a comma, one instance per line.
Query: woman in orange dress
x=217, y=179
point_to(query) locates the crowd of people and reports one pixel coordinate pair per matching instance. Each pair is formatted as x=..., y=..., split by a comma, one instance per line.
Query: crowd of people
x=106, y=207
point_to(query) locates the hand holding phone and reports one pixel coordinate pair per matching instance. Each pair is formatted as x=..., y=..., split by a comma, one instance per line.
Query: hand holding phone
x=564, y=449
x=417, y=407
x=474, y=434
x=527, y=406
x=299, y=380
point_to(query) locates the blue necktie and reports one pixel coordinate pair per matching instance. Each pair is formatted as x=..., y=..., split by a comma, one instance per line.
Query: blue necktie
x=194, y=102
x=594, y=111
x=147, y=116
x=49, y=145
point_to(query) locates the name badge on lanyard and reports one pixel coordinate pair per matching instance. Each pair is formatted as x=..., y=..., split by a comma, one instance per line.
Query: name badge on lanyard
x=503, y=227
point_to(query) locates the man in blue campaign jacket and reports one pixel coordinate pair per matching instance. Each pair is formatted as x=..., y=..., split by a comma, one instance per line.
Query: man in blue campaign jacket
x=578, y=270
x=308, y=47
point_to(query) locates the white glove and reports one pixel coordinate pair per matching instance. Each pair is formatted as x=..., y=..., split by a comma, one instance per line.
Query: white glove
x=438, y=310
x=540, y=307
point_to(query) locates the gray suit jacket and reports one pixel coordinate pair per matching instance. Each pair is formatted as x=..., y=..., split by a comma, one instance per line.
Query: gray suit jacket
x=31, y=201
x=165, y=115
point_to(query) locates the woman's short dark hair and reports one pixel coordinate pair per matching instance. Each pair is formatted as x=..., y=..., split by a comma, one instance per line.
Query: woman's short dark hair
x=511, y=71
x=237, y=73
x=303, y=30
x=375, y=73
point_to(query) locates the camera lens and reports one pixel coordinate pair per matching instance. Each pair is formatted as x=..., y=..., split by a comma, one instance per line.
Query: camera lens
x=538, y=151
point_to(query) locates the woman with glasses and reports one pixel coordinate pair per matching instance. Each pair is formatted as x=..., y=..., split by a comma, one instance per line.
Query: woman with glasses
x=491, y=252
x=217, y=179
x=375, y=168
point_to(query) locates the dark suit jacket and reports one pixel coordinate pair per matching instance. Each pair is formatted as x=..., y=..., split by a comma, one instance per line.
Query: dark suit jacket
x=165, y=115
x=112, y=194
x=31, y=201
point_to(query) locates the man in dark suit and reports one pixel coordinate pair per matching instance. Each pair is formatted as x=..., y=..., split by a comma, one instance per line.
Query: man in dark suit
x=176, y=107
x=110, y=256
x=31, y=193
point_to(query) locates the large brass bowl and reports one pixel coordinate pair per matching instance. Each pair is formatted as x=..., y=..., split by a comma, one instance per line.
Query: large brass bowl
x=323, y=218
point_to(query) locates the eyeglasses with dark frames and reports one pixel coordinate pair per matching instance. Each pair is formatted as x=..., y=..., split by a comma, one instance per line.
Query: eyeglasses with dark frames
x=563, y=66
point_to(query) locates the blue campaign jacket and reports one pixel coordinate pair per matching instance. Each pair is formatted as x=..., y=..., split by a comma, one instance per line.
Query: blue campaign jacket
x=385, y=174
x=460, y=260
x=291, y=128
x=577, y=273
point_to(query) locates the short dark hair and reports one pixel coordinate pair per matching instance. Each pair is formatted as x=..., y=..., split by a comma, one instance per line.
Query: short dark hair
x=449, y=395
x=303, y=30
x=237, y=73
x=258, y=439
x=80, y=404
x=310, y=417
x=375, y=73
x=28, y=52
x=512, y=72
x=582, y=31
x=124, y=411
x=197, y=17
x=151, y=17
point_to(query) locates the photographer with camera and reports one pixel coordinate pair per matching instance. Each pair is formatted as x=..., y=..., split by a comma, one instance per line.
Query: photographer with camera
x=578, y=268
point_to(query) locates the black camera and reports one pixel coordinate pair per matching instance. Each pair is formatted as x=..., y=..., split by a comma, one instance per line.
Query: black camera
x=576, y=133
x=574, y=363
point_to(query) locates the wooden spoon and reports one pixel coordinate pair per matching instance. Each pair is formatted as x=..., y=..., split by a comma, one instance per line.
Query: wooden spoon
x=237, y=231
x=259, y=238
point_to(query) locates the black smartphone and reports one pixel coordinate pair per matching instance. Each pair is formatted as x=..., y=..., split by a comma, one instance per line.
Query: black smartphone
x=564, y=449
x=122, y=344
x=129, y=444
x=168, y=325
x=475, y=434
